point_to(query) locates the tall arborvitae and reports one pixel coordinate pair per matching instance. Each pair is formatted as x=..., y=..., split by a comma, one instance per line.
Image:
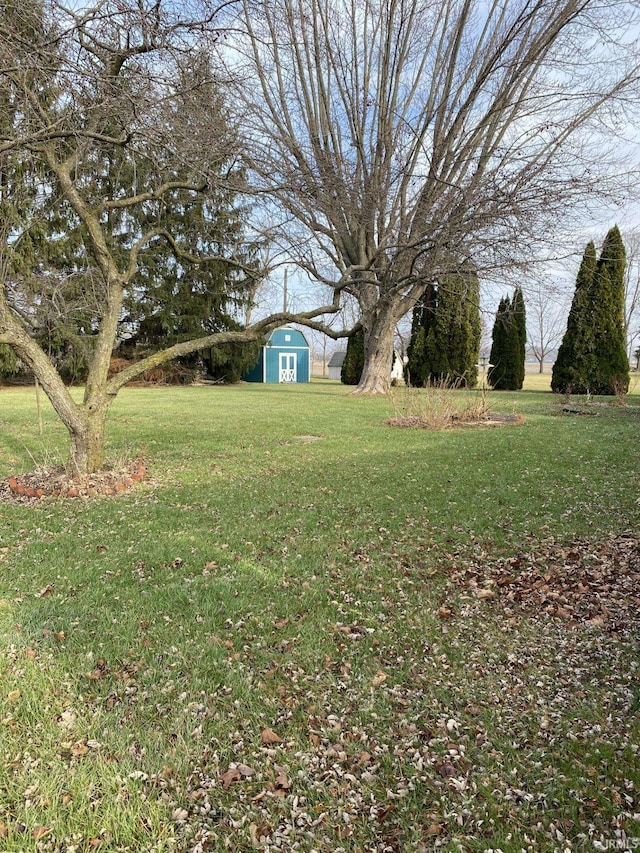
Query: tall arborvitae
x=499, y=344
x=507, y=359
x=446, y=331
x=416, y=371
x=611, y=375
x=520, y=320
x=593, y=357
x=575, y=362
x=353, y=363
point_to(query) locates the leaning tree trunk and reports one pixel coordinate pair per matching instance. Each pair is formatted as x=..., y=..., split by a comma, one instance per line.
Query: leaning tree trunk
x=378, y=352
x=85, y=422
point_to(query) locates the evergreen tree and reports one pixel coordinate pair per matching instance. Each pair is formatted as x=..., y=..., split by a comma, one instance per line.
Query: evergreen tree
x=499, y=339
x=575, y=362
x=353, y=363
x=8, y=361
x=173, y=298
x=176, y=301
x=417, y=368
x=446, y=331
x=520, y=320
x=593, y=357
x=507, y=358
x=229, y=362
x=611, y=374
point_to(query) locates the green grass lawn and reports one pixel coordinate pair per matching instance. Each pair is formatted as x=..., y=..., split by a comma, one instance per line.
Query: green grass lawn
x=297, y=566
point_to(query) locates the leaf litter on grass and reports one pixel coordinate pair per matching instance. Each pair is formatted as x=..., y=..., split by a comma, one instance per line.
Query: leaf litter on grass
x=597, y=583
x=500, y=731
x=502, y=724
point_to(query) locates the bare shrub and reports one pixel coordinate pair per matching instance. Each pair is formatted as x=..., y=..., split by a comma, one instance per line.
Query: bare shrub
x=439, y=405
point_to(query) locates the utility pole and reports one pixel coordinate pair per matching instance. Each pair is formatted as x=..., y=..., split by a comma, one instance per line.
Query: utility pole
x=286, y=276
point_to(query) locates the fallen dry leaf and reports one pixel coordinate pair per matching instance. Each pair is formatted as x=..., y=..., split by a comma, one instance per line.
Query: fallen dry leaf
x=446, y=770
x=596, y=583
x=379, y=678
x=47, y=590
x=244, y=770
x=282, y=781
x=230, y=775
x=41, y=831
x=235, y=774
x=362, y=758
x=258, y=833
x=179, y=815
x=483, y=594
x=269, y=737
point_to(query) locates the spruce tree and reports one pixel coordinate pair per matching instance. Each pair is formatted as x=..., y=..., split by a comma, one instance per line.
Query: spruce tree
x=353, y=363
x=172, y=300
x=8, y=361
x=228, y=363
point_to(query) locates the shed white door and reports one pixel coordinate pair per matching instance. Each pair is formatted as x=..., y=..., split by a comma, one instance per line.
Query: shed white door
x=288, y=366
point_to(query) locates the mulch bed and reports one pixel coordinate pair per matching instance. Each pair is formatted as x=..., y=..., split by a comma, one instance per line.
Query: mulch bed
x=594, y=583
x=461, y=420
x=58, y=483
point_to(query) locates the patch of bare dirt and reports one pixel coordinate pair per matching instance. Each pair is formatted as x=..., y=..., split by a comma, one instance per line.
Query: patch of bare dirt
x=585, y=582
x=56, y=482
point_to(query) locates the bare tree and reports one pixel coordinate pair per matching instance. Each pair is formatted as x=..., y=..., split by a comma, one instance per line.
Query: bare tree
x=395, y=141
x=91, y=89
x=546, y=320
x=632, y=291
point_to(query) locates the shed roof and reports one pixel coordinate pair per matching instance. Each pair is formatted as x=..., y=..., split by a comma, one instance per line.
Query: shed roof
x=287, y=336
x=337, y=358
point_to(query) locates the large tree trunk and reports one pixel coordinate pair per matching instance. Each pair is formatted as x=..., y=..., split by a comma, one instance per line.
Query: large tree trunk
x=378, y=351
x=85, y=422
x=86, y=452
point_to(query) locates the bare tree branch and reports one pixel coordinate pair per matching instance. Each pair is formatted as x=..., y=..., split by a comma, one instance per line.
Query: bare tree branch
x=408, y=137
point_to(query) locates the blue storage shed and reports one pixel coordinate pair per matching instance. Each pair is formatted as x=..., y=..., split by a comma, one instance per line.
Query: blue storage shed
x=286, y=357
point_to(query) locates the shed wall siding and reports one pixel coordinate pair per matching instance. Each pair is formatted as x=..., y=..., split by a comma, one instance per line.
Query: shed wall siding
x=272, y=373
